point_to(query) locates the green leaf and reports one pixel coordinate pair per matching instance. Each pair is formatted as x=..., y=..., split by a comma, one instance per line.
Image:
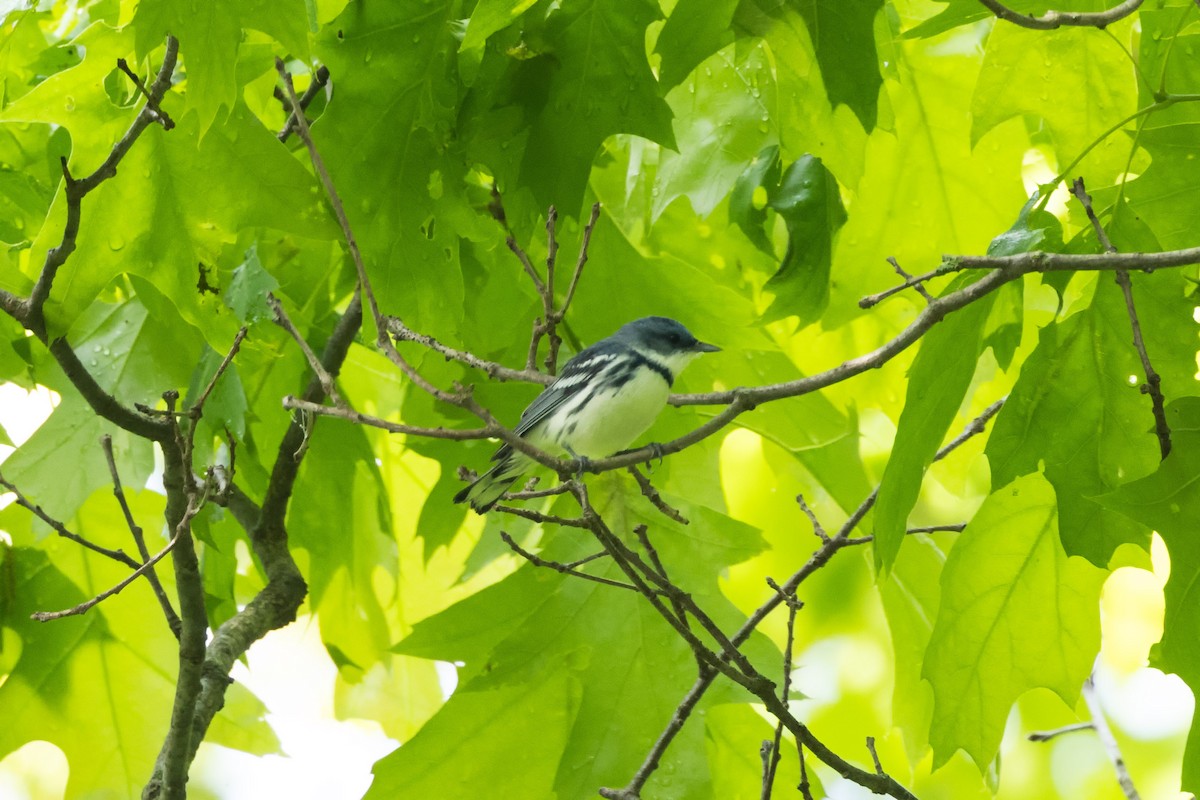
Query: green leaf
x=695, y=30
x=736, y=87
x=537, y=627
x=937, y=383
x=731, y=731
x=98, y=686
x=1016, y=613
x=1169, y=501
x=911, y=596
x=843, y=35
x=595, y=82
x=926, y=192
x=1035, y=229
x=132, y=353
x=1077, y=105
x=210, y=34
x=490, y=16
x=204, y=195
x=408, y=212
x=748, y=200
x=247, y=292
x=956, y=14
x=1159, y=196
x=809, y=201
x=73, y=430
x=521, y=726
x=806, y=117
x=344, y=528
x=1074, y=411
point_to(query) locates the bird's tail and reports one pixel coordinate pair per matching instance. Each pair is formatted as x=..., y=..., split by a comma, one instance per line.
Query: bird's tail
x=486, y=490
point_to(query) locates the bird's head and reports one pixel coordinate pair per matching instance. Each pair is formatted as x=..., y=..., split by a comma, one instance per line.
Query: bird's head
x=665, y=340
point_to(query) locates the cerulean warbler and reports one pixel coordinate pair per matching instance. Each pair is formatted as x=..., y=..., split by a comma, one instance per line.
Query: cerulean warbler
x=606, y=397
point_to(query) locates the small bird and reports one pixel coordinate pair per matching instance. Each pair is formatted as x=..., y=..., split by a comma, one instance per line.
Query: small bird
x=606, y=397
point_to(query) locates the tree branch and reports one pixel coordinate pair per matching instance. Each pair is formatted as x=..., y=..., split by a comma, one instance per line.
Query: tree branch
x=139, y=539
x=314, y=363
x=818, y=559
x=63, y=531
x=1058, y=19
x=565, y=569
x=84, y=607
x=1153, y=384
x=296, y=404
x=319, y=79
x=1107, y=740
x=793, y=605
x=656, y=499
x=77, y=189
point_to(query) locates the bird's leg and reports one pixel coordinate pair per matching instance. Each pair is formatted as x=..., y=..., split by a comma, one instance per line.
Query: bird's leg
x=656, y=452
x=583, y=463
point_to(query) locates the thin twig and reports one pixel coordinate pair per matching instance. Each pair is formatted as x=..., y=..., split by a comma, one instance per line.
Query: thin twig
x=1153, y=384
x=540, y=518
x=197, y=409
x=320, y=78
x=1058, y=19
x=61, y=529
x=768, y=753
x=793, y=605
x=804, y=787
x=874, y=756
x=284, y=321
x=642, y=532
x=533, y=494
x=656, y=499
x=163, y=118
x=581, y=261
x=957, y=527
x=1045, y=736
x=565, y=569
x=82, y=608
x=139, y=538
x=920, y=287
x=498, y=372
x=818, y=559
x=309, y=407
x=551, y=328
x=812, y=518
x=1107, y=740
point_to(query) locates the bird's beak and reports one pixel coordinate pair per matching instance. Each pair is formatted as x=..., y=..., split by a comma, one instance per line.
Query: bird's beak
x=705, y=347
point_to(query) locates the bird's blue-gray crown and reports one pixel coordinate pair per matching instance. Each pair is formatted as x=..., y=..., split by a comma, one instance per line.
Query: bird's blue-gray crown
x=661, y=335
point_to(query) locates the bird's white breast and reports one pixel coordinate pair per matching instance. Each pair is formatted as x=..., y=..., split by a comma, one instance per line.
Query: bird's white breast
x=613, y=419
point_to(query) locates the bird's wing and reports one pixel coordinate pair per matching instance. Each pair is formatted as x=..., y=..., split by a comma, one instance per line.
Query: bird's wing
x=576, y=375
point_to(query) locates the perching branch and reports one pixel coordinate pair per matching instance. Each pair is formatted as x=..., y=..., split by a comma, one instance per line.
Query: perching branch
x=1058, y=19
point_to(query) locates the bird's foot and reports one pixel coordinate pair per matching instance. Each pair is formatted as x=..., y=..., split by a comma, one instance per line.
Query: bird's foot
x=582, y=463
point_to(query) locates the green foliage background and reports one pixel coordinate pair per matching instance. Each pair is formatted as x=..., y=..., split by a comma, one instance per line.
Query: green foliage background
x=756, y=161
